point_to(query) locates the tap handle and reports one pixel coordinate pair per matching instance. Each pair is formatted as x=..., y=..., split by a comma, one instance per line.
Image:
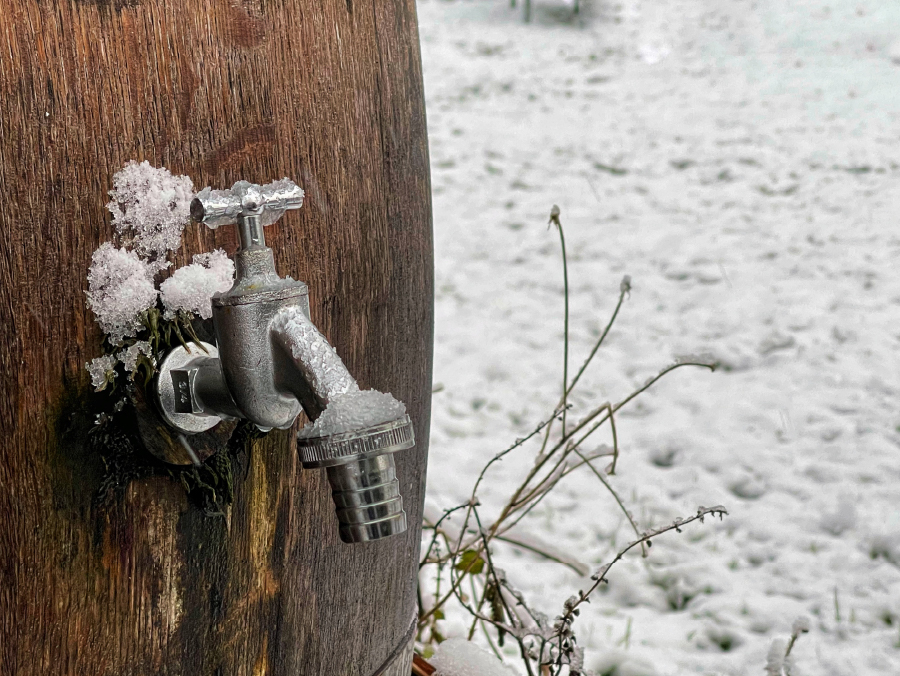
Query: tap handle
x=249, y=206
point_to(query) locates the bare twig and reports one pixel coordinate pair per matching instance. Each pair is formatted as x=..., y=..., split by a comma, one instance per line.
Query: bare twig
x=554, y=219
x=624, y=289
x=643, y=388
x=600, y=575
x=547, y=650
x=437, y=531
x=493, y=572
x=579, y=568
x=616, y=497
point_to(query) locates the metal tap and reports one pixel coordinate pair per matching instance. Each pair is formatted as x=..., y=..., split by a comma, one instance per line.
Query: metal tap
x=270, y=362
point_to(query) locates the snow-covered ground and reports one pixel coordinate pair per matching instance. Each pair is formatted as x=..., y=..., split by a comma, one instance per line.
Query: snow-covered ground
x=741, y=161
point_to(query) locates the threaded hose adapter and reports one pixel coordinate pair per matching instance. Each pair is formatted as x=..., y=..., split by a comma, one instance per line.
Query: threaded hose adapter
x=362, y=474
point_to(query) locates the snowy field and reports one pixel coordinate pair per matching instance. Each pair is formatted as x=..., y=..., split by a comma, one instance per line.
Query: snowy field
x=741, y=162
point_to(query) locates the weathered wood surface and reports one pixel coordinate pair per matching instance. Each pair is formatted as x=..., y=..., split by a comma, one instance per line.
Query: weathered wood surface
x=328, y=92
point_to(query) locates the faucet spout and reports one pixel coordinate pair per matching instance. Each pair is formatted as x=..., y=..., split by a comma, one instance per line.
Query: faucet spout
x=353, y=433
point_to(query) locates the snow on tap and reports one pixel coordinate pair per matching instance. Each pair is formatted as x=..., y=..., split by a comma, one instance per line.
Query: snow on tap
x=348, y=408
x=459, y=657
x=354, y=411
x=322, y=368
x=120, y=287
x=150, y=207
x=192, y=287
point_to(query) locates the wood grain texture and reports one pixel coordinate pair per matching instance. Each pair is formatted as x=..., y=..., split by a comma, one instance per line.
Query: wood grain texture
x=328, y=92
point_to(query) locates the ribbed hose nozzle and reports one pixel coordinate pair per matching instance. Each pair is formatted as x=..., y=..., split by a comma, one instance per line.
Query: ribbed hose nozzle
x=367, y=496
x=363, y=477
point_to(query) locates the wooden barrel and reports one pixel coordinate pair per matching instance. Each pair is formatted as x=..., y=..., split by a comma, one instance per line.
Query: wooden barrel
x=326, y=92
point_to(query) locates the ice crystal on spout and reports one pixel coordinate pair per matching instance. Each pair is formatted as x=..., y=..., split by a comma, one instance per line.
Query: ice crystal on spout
x=191, y=288
x=348, y=408
x=354, y=411
x=150, y=207
x=322, y=368
x=120, y=288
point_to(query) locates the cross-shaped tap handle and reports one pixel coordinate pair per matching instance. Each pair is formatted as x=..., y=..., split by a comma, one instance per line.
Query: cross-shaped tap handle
x=249, y=206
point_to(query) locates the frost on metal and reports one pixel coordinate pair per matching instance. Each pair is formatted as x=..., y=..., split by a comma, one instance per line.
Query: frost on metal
x=320, y=365
x=101, y=370
x=354, y=411
x=348, y=408
x=129, y=356
x=150, y=207
x=220, y=197
x=459, y=657
x=192, y=287
x=222, y=207
x=120, y=288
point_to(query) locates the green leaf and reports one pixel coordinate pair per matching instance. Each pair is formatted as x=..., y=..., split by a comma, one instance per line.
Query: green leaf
x=471, y=562
x=438, y=614
x=427, y=652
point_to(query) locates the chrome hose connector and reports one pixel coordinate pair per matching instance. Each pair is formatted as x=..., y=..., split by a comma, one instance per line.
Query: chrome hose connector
x=363, y=477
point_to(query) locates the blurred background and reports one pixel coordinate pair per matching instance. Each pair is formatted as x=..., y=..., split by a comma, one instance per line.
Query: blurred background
x=740, y=161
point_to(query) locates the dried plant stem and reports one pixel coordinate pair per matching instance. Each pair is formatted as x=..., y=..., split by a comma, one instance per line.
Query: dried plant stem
x=493, y=572
x=566, y=441
x=643, y=388
x=624, y=289
x=600, y=576
x=524, y=499
x=453, y=587
x=615, y=495
x=554, y=219
x=438, y=532
x=615, y=440
x=546, y=649
x=540, y=552
x=473, y=499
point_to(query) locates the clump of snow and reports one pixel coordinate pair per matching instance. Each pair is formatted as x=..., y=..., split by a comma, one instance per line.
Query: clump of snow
x=99, y=367
x=150, y=207
x=120, y=287
x=317, y=360
x=800, y=626
x=130, y=355
x=354, y=411
x=652, y=54
x=775, y=658
x=192, y=287
x=459, y=657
